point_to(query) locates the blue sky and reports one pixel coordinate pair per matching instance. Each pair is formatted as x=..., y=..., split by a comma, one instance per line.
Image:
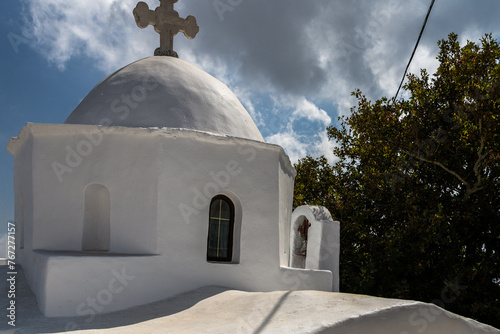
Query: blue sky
x=292, y=63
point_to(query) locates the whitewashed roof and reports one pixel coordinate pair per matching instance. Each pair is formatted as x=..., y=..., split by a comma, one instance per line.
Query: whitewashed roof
x=165, y=92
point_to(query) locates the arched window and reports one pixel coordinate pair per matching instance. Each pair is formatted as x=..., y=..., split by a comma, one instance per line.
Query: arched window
x=220, y=230
x=96, y=219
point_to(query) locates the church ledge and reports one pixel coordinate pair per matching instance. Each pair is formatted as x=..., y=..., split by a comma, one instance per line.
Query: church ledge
x=15, y=143
x=305, y=270
x=50, y=253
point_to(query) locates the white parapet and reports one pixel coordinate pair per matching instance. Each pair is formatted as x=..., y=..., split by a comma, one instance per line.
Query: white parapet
x=319, y=248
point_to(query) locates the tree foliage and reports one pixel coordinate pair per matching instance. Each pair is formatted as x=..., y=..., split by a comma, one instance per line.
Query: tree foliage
x=416, y=186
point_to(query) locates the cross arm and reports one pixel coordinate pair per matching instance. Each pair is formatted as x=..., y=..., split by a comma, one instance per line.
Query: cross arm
x=191, y=27
x=144, y=16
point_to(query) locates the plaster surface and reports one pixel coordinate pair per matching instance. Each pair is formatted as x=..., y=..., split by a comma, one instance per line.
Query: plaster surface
x=165, y=92
x=158, y=184
x=218, y=310
x=323, y=247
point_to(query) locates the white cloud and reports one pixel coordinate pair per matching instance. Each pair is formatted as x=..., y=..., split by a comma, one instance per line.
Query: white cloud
x=290, y=142
x=297, y=147
x=103, y=30
x=297, y=54
x=297, y=115
x=310, y=111
x=325, y=147
x=425, y=57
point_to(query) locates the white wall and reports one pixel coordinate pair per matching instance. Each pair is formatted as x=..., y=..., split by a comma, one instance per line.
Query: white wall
x=323, y=245
x=23, y=187
x=160, y=183
x=126, y=165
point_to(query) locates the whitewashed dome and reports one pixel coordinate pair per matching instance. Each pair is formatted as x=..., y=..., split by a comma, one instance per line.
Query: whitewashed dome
x=165, y=92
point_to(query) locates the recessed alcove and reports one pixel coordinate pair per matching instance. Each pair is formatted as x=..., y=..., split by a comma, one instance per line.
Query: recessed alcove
x=96, y=219
x=298, y=243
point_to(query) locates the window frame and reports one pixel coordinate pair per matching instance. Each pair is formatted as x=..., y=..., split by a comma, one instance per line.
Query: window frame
x=229, y=257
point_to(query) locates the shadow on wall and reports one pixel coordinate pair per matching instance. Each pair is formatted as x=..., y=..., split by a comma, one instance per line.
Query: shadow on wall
x=31, y=320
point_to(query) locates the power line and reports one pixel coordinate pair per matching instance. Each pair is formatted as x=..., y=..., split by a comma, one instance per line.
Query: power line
x=414, y=49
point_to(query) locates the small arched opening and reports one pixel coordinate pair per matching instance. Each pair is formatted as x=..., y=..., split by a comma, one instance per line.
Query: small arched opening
x=299, y=239
x=96, y=219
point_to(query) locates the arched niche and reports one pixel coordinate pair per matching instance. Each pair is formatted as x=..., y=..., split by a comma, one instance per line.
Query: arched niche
x=96, y=219
x=298, y=242
x=322, y=249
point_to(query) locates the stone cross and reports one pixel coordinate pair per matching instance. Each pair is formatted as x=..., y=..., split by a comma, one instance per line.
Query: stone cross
x=167, y=23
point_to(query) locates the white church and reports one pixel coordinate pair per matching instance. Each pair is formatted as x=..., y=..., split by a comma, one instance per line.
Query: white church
x=159, y=183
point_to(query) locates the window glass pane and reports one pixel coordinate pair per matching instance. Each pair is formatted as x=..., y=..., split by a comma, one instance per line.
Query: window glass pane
x=224, y=239
x=214, y=208
x=213, y=238
x=212, y=234
x=225, y=210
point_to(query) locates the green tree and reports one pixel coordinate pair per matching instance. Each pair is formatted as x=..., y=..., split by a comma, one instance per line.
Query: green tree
x=417, y=186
